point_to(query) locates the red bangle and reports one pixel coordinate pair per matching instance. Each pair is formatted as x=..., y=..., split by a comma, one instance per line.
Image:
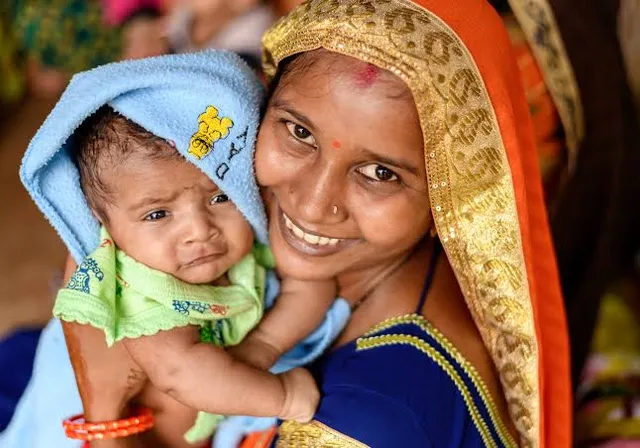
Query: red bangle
x=77, y=428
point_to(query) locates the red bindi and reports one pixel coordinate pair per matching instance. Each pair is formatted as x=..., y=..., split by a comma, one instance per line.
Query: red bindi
x=367, y=75
x=337, y=144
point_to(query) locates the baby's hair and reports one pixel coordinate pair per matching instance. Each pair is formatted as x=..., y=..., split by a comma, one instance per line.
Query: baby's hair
x=105, y=141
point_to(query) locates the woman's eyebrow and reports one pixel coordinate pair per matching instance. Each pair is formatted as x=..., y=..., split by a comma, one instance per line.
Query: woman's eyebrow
x=286, y=107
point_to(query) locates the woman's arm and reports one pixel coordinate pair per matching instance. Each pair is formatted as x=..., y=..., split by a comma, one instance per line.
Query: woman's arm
x=107, y=378
x=298, y=311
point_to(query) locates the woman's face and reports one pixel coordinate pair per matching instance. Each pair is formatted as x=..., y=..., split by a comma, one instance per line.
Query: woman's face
x=341, y=152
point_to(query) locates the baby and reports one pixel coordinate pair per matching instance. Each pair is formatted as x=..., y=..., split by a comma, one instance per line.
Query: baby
x=177, y=275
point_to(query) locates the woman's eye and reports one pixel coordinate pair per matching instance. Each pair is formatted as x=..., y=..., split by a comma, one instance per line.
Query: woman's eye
x=154, y=216
x=378, y=173
x=301, y=133
x=219, y=199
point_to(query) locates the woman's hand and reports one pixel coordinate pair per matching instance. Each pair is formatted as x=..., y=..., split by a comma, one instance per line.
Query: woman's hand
x=107, y=378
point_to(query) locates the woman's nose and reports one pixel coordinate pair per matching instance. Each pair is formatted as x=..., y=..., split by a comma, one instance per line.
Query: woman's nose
x=318, y=196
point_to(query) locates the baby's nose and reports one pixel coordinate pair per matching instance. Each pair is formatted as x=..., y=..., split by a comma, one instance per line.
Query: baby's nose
x=201, y=229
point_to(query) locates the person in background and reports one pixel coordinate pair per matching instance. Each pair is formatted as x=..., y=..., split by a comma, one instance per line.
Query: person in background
x=565, y=55
x=45, y=42
x=629, y=34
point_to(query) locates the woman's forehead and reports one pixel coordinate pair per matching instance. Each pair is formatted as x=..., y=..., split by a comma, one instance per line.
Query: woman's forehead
x=319, y=68
x=331, y=87
x=367, y=75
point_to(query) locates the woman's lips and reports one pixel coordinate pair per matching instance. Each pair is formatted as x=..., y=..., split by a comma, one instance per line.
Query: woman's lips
x=307, y=242
x=309, y=237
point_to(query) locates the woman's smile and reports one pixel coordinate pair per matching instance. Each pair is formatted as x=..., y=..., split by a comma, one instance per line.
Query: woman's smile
x=308, y=242
x=308, y=236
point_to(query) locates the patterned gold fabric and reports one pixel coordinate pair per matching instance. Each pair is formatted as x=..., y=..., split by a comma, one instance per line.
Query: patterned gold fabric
x=470, y=185
x=313, y=435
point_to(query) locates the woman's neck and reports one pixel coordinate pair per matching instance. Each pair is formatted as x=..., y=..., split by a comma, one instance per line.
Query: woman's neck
x=357, y=286
x=384, y=291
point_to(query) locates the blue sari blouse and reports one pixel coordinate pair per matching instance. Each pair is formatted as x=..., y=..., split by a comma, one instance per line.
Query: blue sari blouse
x=402, y=384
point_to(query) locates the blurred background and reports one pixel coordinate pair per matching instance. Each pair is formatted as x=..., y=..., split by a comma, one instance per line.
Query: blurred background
x=580, y=69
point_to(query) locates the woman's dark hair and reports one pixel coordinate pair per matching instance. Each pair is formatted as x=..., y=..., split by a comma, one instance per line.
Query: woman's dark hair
x=289, y=65
x=285, y=68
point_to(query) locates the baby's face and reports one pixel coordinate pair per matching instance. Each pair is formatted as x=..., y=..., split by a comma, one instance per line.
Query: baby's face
x=170, y=216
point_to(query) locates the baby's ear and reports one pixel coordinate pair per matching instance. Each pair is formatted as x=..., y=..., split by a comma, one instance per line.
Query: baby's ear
x=97, y=216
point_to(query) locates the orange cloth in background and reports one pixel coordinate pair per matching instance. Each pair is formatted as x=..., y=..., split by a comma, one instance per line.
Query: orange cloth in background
x=259, y=439
x=547, y=127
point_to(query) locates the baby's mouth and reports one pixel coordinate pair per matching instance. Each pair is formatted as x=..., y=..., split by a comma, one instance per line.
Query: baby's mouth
x=200, y=260
x=202, y=257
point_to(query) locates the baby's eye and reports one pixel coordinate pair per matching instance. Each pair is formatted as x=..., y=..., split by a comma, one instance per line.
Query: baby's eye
x=378, y=173
x=301, y=133
x=219, y=199
x=155, y=216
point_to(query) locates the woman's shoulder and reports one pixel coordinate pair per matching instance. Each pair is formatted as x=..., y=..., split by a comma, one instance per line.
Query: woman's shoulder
x=401, y=384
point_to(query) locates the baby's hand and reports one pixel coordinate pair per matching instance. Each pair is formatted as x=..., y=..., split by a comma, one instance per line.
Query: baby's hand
x=302, y=396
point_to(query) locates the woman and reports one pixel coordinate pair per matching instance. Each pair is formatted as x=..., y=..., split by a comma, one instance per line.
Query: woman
x=502, y=316
x=402, y=127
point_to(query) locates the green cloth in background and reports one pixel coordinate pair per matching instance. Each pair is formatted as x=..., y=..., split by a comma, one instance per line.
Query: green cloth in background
x=69, y=35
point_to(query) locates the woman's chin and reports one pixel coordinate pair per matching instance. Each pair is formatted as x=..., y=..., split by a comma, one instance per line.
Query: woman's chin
x=291, y=263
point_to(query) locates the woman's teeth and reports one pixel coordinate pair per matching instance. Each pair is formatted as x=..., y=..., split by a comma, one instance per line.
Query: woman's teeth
x=308, y=237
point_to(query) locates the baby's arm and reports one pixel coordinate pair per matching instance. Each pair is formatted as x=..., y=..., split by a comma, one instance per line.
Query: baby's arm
x=298, y=311
x=207, y=378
